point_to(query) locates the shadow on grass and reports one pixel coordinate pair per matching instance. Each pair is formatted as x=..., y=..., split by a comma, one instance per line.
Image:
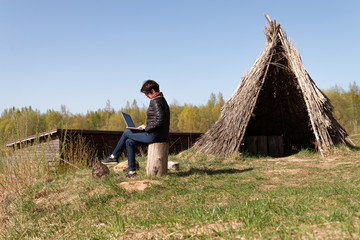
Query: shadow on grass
x=354, y=147
x=193, y=171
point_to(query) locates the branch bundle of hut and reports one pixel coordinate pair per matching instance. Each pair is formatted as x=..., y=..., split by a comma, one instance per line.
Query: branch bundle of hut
x=277, y=97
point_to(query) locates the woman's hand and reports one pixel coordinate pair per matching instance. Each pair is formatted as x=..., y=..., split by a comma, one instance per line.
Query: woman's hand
x=142, y=126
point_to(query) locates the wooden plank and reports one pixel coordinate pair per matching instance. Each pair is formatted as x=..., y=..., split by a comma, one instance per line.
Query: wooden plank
x=251, y=144
x=262, y=145
x=276, y=148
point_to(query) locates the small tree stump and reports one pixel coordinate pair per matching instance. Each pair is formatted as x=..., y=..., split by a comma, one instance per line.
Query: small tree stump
x=157, y=162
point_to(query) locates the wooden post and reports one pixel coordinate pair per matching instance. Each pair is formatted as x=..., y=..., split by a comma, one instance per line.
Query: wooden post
x=276, y=146
x=157, y=162
x=262, y=145
x=251, y=144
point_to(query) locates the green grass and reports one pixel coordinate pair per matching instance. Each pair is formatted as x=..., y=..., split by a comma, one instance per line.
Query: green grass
x=303, y=196
x=355, y=139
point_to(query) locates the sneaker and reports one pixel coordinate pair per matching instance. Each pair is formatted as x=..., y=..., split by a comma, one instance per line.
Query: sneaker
x=109, y=160
x=130, y=175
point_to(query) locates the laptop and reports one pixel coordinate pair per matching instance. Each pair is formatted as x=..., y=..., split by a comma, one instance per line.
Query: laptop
x=129, y=122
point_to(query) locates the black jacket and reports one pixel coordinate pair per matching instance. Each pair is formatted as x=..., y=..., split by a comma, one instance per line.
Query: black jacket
x=158, y=119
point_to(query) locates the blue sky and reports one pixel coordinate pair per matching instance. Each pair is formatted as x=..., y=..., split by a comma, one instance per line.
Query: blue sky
x=82, y=53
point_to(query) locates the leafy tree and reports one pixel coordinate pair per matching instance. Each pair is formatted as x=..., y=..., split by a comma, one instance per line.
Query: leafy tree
x=116, y=122
x=354, y=97
x=106, y=114
x=210, y=113
x=53, y=119
x=94, y=120
x=77, y=121
x=189, y=119
x=175, y=111
x=346, y=106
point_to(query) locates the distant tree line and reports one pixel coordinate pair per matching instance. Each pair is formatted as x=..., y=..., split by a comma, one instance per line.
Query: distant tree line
x=16, y=123
x=346, y=106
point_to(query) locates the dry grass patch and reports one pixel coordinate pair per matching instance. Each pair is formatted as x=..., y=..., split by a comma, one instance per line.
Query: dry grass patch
x=267, y=187
x=327, y=231
x=97, y=191
x=212, y=229
x=58, y=197
x=154, y=233
x=139, y=185
x=201, y=231
x=3, y=217
x=284, y=171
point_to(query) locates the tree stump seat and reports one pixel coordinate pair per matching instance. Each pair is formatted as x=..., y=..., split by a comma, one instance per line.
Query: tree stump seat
x=157, y=161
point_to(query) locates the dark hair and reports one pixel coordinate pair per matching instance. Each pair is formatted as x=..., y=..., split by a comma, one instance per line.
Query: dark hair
x=148, y=85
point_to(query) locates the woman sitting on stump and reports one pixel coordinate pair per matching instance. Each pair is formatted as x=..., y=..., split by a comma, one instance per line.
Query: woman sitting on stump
x=155, y=130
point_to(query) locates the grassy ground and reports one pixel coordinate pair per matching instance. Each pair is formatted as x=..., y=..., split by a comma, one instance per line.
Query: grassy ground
x=356, y=139
x=302, y=196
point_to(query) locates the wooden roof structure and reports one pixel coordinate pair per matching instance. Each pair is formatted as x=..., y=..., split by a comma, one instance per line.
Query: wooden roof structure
x=276, y=97
x=103, y=141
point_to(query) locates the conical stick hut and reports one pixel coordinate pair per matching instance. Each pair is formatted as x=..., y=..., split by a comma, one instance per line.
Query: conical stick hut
x=276, y=99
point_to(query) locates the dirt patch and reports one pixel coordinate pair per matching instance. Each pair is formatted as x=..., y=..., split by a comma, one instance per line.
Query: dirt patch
x=140, y=185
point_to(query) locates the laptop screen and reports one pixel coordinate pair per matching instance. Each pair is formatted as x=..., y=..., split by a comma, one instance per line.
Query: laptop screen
x=128, y=120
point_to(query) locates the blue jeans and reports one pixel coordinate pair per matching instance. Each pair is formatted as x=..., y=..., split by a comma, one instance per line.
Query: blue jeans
x=131, y=139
